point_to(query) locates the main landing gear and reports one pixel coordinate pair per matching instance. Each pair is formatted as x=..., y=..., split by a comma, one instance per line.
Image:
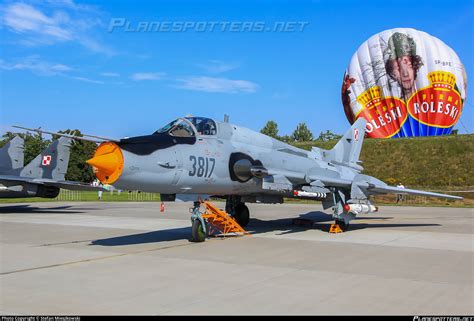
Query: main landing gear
x=238, y=210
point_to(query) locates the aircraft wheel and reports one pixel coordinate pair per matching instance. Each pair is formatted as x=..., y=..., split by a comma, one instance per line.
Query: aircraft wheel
x=197, y=232
x=242, y=215
x=342, y=224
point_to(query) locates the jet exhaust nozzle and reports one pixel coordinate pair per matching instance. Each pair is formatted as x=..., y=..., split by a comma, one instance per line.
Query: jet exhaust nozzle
x=107, y=162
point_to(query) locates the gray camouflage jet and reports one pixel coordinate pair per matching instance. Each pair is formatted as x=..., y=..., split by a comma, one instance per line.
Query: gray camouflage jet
x=194, y=157
x=42, y=177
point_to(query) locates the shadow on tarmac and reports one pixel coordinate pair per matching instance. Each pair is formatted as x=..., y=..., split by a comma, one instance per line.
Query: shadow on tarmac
x=148, y=237
x=28, y=209
x=319, y=221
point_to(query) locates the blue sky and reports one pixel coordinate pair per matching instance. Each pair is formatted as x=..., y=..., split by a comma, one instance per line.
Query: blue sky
x=62, y=66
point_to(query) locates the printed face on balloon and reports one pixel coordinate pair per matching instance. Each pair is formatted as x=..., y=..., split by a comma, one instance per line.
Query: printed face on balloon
x=403, y=72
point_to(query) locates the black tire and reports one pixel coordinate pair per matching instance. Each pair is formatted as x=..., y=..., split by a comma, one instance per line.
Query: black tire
x=242, y=214
x=198, y=232
x=342, y=225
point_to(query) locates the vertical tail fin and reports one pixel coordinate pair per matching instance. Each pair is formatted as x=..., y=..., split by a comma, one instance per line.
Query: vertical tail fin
x=51, y=163
x=347, y=150
x=11, y=155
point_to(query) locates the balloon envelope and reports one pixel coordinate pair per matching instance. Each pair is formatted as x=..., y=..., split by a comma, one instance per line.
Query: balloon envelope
x=404, y=82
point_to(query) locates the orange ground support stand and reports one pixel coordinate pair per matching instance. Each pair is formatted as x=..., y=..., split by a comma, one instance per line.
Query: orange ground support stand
x=221, y=221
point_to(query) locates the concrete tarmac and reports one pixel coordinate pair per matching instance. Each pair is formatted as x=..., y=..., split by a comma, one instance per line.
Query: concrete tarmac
x=128, y=258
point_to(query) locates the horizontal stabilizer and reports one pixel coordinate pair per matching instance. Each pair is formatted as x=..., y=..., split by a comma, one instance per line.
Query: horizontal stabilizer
x=71, y=185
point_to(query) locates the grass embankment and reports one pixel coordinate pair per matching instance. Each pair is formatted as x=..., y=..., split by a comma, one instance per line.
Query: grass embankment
x=441, y=163
x=90, y=196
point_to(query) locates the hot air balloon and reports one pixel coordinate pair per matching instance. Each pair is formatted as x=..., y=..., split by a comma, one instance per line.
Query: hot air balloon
x=404, y=82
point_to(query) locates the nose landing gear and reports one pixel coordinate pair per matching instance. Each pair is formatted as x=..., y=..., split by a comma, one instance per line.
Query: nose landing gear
x=212, y=220
x=198, y=231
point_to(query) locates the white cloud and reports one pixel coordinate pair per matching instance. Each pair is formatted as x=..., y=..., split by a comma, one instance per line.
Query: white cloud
x=95, y=46
x=110, y=74
x=147, y=76
x=217, y=85
x=217, y=66
x=36, y=66
x=88, y=80
x=61, y=21
x=44, y=68
x=22, y=18
x=70, y=4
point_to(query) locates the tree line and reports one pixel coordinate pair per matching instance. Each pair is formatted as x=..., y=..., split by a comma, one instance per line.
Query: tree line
x=300, y=134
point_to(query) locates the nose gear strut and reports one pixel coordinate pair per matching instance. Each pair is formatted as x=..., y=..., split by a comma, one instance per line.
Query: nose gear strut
x=211, y=221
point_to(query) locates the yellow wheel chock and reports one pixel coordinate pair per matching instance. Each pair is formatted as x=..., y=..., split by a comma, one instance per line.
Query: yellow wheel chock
x=335, y=228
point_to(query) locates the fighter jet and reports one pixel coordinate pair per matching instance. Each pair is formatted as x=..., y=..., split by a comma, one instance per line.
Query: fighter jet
x=42, y=177
x=198, y=157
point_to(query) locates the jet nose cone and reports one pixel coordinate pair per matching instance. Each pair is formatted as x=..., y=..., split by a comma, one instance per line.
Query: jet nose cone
x=107, y=162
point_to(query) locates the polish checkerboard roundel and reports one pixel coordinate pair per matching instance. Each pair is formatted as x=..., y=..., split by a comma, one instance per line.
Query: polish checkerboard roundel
x=46, y=160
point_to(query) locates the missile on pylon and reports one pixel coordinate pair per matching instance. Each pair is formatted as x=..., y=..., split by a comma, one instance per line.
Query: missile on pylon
x=360, y=208
x=304, y=194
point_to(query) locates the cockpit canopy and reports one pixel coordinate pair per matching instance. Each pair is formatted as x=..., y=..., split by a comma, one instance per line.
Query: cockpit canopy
x=189, y=127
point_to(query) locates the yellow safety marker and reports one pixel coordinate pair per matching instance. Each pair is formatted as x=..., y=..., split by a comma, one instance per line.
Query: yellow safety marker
x=335, y=228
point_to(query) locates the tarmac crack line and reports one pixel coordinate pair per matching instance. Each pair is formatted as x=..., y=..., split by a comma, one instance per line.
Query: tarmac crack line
x=64, y=243
x=92, y=259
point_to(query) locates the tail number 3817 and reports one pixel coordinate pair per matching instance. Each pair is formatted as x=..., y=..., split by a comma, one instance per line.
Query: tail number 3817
x=201, y=166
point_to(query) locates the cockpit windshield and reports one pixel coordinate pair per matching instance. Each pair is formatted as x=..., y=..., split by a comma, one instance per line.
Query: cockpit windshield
x=177, y=128
x=204, y=126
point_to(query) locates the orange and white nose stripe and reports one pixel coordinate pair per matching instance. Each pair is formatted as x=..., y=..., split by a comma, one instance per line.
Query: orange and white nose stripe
x=107, y=162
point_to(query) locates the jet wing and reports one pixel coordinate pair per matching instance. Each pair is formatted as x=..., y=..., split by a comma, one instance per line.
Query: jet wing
x=375, y=186
x=298, y=176
x=370, y=184
x=71, y=185
x=396, y=190
x=9, y=180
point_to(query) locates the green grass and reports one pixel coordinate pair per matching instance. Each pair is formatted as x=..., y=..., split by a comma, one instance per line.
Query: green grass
x=442, y=162
x=90, y=197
